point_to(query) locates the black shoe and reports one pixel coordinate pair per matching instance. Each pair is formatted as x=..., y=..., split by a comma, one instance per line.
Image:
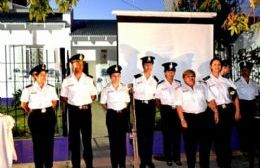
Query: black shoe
x=169, y=163
x=178, y=163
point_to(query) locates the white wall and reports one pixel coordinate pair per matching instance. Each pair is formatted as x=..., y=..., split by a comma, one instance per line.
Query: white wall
x=51, y=40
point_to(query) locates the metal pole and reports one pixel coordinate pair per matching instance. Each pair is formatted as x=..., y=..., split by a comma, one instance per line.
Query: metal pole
x=6, y=78
x=15, y=109
x=24, y=114
x=134, y=129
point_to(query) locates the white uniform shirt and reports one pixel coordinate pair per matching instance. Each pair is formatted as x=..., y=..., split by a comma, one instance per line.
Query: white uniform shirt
x=144, y=89
x=247, y=91
x=38, y=97
x=78, y=92
x=7, y=150
x=115, y=99
x=166, y=92
x=193, y=100
x=219, y=88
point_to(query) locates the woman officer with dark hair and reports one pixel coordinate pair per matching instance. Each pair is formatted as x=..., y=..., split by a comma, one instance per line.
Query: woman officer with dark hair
x=171, y=127
x=114, y=98
x=39, y=101
x=228, y=108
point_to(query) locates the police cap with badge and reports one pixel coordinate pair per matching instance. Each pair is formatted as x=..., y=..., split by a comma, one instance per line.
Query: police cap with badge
x=114, y=69
x=37, y=69
x=246, y=64
x=169, y=66
x=147, y=59
x=76, y=57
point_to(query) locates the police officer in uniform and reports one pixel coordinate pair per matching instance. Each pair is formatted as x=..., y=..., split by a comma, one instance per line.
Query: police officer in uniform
x=39, y=101
x=171, y=128
x=144, y=87
x=114, y=98
x=228, y=112
x=78, y=91
x=247, y=90
x=192, y=100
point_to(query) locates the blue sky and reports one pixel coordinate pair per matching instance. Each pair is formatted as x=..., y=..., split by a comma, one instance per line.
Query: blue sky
x=102, y=9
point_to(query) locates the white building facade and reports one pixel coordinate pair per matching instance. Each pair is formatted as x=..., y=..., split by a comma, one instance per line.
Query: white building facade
x=24, y=44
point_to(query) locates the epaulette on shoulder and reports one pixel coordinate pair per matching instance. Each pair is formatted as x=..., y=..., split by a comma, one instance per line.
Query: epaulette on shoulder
x=206, y=78
x=90, y=76
x=237, y=79
x=177, y=81
x=202, y=81
x=50, y=85
x=161, y=82
x=138, y=75
x=28, y=86
x=108, y=85
x=157, y=80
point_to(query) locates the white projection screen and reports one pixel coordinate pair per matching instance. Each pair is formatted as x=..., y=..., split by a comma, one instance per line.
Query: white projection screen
x=183, y=37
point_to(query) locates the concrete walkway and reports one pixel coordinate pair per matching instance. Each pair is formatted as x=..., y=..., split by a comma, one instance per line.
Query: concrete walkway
x=101, y=160
x=101, y=149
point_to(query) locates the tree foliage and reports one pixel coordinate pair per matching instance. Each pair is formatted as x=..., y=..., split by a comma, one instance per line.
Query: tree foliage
x=236, y=23
x=4, y=6
x=40, y=9
x=233, y=19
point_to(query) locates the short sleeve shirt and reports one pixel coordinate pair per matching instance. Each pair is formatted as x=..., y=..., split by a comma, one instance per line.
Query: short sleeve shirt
x=78, y=92
x=219, y=88
x=144, y=89
x=193, y=100
x=247, y=91
x=115, y=99
x=166, y=92
x=38, y=97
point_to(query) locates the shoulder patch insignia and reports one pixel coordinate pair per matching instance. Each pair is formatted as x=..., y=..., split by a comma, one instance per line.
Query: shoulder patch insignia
x=28, y=86
x=137, y=75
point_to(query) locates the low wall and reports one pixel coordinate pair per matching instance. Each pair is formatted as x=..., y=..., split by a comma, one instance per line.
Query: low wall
x=25, y=154
x=158, y=143
x=24, y=150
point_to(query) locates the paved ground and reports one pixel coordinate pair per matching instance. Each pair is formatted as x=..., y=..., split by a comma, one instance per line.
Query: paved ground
x=101, y=150
x=101, y=160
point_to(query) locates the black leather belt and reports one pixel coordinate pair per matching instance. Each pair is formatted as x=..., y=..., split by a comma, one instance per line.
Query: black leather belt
x=144, y=101
x=224, y=106
x=118, y=111
x=82, y=107
x=42, y=110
